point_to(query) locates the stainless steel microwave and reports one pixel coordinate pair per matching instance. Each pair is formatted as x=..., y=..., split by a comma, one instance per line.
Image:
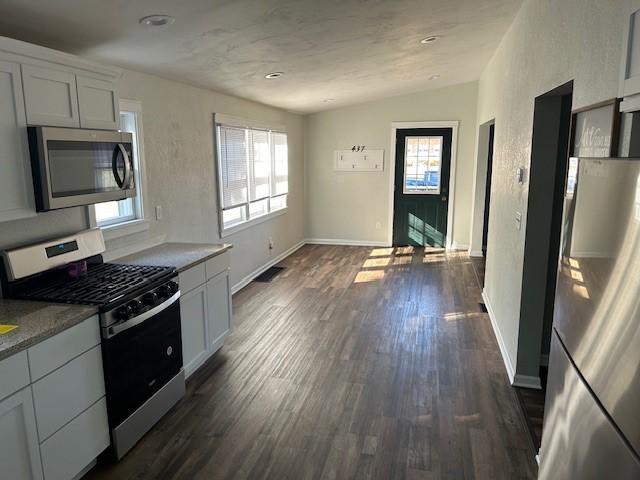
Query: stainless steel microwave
x=72, y=166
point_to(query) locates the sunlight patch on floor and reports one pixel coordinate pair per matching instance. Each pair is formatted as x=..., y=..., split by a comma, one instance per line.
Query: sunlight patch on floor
x=369, y=276
x=381, y=252
x=376, y=262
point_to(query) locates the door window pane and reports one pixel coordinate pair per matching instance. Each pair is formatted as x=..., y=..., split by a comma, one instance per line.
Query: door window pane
x=422, y=164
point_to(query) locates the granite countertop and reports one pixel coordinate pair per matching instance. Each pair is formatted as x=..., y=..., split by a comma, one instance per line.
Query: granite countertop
x=36, y=321
x=182, y=256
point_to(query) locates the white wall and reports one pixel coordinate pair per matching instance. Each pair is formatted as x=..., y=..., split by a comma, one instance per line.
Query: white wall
x=346, y=205
x=179, y=142
x=550, y=43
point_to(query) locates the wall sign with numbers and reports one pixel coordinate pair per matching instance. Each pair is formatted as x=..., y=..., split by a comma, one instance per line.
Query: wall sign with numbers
x=359, y=161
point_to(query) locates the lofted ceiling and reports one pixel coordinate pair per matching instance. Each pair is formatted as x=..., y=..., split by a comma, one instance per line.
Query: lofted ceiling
x=332, y=52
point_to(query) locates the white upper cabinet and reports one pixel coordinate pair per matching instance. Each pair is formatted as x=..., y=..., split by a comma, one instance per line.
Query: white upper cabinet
x=98, y=104
x=50, y=97
x=16, y=186
x=40, y=86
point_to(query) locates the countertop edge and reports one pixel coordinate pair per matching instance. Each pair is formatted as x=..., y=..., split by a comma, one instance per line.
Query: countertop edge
x=41, y=337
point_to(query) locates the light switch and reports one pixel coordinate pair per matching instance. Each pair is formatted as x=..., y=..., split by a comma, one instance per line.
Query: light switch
x=158, y=212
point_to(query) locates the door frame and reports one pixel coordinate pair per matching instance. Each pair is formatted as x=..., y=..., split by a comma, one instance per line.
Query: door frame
x=395, y=126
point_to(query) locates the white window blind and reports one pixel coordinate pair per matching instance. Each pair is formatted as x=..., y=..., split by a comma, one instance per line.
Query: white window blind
x=259, y=164
x=253, y=166
x=233, y=158
x=280, y=168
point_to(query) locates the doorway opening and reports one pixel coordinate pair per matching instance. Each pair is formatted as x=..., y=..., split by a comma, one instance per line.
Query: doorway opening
x=482, y=199
x=547, y=179
x=422, y=183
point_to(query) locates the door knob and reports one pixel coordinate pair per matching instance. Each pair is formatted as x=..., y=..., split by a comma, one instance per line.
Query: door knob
x=444, y=199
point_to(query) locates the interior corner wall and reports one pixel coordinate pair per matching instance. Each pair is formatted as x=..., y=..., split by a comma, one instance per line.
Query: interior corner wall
x=548, y=44
x=354, y=206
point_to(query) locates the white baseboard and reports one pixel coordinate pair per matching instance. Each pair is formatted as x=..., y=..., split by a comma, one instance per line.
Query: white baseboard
x=246, y=280
x=342, y=241
x=496, y=331
x=458, y=246
x=476, y=253
x=526, y=381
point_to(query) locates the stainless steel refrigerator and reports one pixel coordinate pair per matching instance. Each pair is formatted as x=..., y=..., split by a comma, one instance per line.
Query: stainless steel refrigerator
x=591, y=426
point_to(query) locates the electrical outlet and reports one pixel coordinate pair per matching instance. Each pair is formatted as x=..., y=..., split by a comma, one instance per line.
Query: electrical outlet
x=518, y=220
x=378, y=225
x=271, y=244
x=158, y=212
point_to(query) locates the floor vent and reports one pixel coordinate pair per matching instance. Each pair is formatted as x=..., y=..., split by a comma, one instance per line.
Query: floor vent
x=268, y=275
x=483, y=307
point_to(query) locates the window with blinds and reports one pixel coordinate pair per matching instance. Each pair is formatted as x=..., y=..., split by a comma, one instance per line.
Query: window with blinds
x=252, y=172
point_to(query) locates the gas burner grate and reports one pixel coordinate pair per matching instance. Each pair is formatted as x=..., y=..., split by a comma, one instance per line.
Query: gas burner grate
x=102, y=284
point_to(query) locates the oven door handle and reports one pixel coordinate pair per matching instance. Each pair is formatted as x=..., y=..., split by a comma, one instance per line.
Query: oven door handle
x=114, y=330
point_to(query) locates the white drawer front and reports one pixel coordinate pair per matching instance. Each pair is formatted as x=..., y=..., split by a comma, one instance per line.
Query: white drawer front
x=217, y=264
x=54, y=352
x=64, y=394
x=77, y=444
x=192, y=278
x=14, y=374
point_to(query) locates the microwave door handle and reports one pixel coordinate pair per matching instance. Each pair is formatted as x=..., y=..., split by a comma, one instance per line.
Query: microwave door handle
x=128, y=168
x=114, y=165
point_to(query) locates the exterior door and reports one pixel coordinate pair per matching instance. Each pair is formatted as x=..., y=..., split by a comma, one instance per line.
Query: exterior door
x=423, y=162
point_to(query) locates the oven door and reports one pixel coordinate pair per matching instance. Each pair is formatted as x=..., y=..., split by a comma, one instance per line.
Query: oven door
x=74, y=167
x=140, y=356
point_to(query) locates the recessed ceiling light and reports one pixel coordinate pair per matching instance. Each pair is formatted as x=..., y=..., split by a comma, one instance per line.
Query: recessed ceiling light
x=434, y=77
x=273, y=75
x=157, y=20
x=431, y=39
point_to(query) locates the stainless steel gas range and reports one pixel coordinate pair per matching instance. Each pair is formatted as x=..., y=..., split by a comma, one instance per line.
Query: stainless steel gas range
x=139, y=311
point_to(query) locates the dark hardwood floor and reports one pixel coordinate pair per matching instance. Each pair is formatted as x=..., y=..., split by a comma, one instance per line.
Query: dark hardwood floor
x=353, y=363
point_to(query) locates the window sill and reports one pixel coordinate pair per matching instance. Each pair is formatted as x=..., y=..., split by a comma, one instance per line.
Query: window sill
x=125, y=228
x=251, y=223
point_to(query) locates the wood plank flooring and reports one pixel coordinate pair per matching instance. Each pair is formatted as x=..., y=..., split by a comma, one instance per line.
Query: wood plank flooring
x=353, y=363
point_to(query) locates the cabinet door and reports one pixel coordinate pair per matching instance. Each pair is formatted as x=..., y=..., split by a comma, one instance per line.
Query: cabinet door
x=19, y=450
x=98, y=104
x=630, y=66
x=50, y=97
x=218, y=309
x=193, y=318
x=16, y=186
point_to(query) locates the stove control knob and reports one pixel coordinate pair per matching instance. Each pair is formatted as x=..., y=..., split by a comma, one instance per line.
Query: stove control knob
x=123, y=313
x=164, y=291
x=173, y=286
x=150, y=299
x=136, y=306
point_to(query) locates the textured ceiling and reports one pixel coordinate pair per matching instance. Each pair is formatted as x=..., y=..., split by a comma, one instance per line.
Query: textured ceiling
x=350, y=50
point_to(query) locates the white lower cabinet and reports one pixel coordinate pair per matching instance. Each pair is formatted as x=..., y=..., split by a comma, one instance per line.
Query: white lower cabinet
x=193, y=315
x=205, y=311
x=218, y=309
x=19, y=449
x=53, y=413
x=72, y=448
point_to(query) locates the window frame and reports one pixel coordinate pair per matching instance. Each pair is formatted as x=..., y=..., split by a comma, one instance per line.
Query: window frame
x=137, y=222
x=270, y=214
